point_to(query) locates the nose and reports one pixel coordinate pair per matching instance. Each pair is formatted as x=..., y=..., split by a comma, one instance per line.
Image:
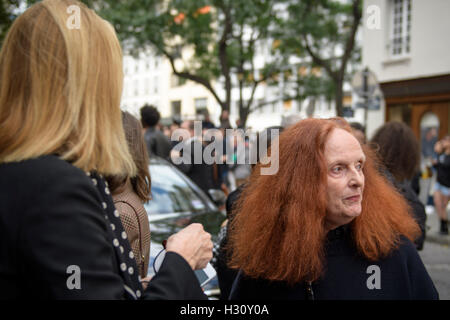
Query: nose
x=356, y=179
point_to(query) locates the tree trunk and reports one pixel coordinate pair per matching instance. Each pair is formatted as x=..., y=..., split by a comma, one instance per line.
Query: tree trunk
x=243, y=115
x=339, y=95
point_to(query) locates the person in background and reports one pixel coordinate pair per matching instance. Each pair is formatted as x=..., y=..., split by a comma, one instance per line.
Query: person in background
x=176, y=124
x=60, y=234
x=239, y=163
x=167, y=132
x=206, y=122
x=225, y=120
x=157, y=143
x=359, y=131
x=398, y=149
x=206, y=176
x=326, y=226
x=428, y=171
x=442, y=186
x=239, y=124
x=222, y=252
x=129, y=193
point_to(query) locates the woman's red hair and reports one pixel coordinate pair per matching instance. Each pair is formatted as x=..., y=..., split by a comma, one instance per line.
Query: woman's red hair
x=278, y=232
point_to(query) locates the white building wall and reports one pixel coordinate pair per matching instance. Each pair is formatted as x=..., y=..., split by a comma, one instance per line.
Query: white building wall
x=429, y=46
x=143, y=79
x=430, y=29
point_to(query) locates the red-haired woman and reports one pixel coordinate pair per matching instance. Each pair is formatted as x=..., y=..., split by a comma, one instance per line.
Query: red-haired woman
x=326, y=225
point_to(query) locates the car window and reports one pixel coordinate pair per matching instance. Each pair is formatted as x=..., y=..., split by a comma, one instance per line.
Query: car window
x=171, y=193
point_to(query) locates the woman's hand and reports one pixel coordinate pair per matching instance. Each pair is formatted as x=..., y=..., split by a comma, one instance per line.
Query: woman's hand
x=193, y=244
x=438, y=147
x=145, y=281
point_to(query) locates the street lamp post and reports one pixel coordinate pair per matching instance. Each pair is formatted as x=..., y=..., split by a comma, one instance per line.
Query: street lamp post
x=366, y=96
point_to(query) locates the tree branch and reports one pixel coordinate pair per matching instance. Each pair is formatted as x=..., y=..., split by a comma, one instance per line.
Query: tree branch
x=201, y=80
x=350, y=43
x=223, y=58
x=318, y=60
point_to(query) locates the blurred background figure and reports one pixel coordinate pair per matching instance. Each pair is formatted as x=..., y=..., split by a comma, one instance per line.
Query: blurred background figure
x=167, y=132
x=131, y=192
x=428, y=143
x=157, y=143
x=239, y=124
x=176, y=124
x=442, y=185
x=206, y=121
x=206, y=176
x=239, y=162
x=398, y=149
x=222, y=252
x=225, y=120
x=359, y=131
x=428, y=158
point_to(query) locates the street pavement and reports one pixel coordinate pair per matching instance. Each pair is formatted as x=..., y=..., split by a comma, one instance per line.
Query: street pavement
x=436, y=255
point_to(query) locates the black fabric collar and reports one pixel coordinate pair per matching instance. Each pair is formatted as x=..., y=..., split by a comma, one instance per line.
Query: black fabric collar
x=127, y=266
x=339, y=232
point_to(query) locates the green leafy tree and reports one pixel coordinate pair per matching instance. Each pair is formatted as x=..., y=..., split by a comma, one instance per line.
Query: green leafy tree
x=8, y=12
x=322, y=32
x=223, y=36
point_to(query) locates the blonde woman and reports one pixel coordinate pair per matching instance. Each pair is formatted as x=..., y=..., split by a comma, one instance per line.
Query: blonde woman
x=60, y=133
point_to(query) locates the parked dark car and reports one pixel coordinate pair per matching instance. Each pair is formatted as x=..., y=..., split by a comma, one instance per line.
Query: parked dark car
x=177, y=202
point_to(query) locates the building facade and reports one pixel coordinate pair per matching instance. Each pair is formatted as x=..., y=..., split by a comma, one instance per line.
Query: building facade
x=408, y=50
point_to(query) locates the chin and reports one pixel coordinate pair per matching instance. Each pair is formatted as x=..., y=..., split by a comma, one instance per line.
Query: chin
x=353, y=211
x=353, y=214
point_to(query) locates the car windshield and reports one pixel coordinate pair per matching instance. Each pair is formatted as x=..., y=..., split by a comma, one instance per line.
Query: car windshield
x=172, y=193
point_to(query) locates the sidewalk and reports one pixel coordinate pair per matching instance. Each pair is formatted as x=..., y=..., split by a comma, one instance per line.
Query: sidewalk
x=433, y=228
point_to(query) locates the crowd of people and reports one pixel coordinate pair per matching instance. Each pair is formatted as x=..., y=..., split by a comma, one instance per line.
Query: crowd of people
x=340, y=219
x=229, y=170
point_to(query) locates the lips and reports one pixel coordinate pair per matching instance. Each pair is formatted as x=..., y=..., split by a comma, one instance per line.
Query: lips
x=355, y=198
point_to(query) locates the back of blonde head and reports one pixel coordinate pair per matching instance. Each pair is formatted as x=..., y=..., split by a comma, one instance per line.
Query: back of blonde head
x=60, y=90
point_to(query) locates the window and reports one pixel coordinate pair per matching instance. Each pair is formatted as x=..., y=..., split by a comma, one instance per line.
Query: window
x=200, y=103
x=176, y=108
x=401, y=27
x=201, y=106
x=155, y=85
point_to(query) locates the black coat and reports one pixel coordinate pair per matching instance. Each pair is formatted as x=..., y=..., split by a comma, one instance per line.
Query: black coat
x=225, y=274
x=157, y=143
x=443, y=169
x=205, y=176
x=52, y=217
x=417, y=207
x=418, y=211
x=402, y=276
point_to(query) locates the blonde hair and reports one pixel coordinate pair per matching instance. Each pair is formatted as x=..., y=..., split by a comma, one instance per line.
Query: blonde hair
x=60, y=90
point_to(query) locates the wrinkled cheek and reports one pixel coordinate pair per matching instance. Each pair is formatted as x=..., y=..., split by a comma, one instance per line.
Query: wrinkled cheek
x=352, y=209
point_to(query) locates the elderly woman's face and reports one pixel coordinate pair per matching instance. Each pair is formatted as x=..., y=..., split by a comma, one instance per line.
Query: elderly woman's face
x=345, y=160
